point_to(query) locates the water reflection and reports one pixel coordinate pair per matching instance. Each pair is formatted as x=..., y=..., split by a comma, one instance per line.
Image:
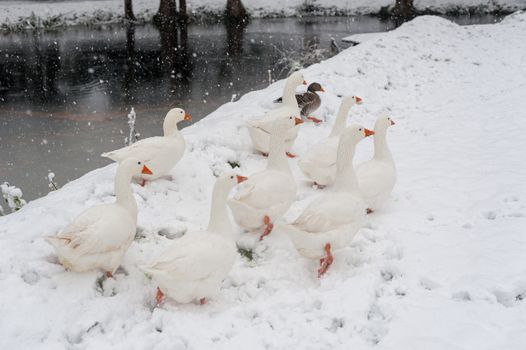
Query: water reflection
x=64, y=95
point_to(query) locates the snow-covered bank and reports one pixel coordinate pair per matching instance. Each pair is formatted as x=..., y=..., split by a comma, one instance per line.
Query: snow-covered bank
x=441, y=267
x=32, y=14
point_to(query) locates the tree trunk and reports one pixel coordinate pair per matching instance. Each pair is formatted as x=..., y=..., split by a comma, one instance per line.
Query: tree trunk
x=404, y=9
x=183, y=17
x=128, y=10
x=235, y=11
x=167, y=13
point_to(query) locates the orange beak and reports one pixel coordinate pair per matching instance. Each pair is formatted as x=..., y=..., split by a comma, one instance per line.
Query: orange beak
x=368, y=132
x=322, y=89
x=240, y=178
x=146, y=171
x=358, y=99
x=304, y=82
x=187, y=117
x=392, y=122
x=297, y=121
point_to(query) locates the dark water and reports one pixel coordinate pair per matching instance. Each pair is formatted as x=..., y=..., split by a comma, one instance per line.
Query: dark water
x=64, y=95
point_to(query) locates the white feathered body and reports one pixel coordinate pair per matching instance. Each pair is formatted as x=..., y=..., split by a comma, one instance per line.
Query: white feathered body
x=194, y=266
x=97, y=239
x=376, y=179
x=319, y=163
x=259, y=129
x=267, y=193
x=333, y=218
x=159, y=153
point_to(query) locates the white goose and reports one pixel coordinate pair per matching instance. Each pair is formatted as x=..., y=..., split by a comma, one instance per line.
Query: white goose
x=331, y=220
x=319, y=163
x=268, y=194
x=193, y=267
x=159, y=153
x=377, y=176
x=99, y=236
x=259, y=129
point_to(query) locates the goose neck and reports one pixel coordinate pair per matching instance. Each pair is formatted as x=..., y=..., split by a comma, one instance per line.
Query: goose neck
x=170, y=129
x=289, y=94
x=219, y=219
x=381, y=150
x=277, y=158
x=341, y=120
x=123, y=192
x=345, y=179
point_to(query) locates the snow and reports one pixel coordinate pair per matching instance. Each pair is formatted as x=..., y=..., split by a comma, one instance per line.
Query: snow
x=30, y=14
x=440, y=267
x=359, y=38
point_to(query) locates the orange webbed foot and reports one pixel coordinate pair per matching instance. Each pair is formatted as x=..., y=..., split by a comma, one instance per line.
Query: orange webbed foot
x=159, y=297
x=290, y=155
x=315, y=120
x=268, y=228
x=326, y=262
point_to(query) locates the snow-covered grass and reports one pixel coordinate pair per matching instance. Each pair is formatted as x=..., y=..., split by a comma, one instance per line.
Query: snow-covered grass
x=441, y=267
x=12, y=197
x=17, y=15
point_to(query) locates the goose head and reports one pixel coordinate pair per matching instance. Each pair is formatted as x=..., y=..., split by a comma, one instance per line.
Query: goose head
x=345, y=106
x=230, y=179
x=296, y=79
x=315, y=87
x=354, y=134
x=282, y=125
x=173, y=117
x=134, y=167
x=349, y=101
x=383, y=123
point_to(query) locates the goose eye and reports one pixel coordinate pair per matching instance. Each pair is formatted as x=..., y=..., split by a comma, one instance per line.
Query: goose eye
x=360, y=129
x=139, y=163
x=231, y=177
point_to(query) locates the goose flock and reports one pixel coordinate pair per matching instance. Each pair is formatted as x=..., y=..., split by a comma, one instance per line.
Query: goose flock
x=193, y=267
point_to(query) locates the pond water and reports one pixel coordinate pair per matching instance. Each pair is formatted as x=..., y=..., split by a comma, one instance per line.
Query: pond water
x=65, y=95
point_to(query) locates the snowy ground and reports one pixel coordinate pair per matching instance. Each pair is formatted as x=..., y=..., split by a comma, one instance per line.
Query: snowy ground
x=441, y=267
x=30, y=14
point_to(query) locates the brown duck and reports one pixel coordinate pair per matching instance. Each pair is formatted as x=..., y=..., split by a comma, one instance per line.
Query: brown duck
x=309, y=101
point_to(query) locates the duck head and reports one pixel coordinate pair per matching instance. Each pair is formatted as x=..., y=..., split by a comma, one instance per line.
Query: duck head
x=315, y=87
x=173, y=117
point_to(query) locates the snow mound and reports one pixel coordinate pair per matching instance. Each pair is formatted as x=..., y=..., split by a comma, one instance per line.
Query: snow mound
x=440, y=267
